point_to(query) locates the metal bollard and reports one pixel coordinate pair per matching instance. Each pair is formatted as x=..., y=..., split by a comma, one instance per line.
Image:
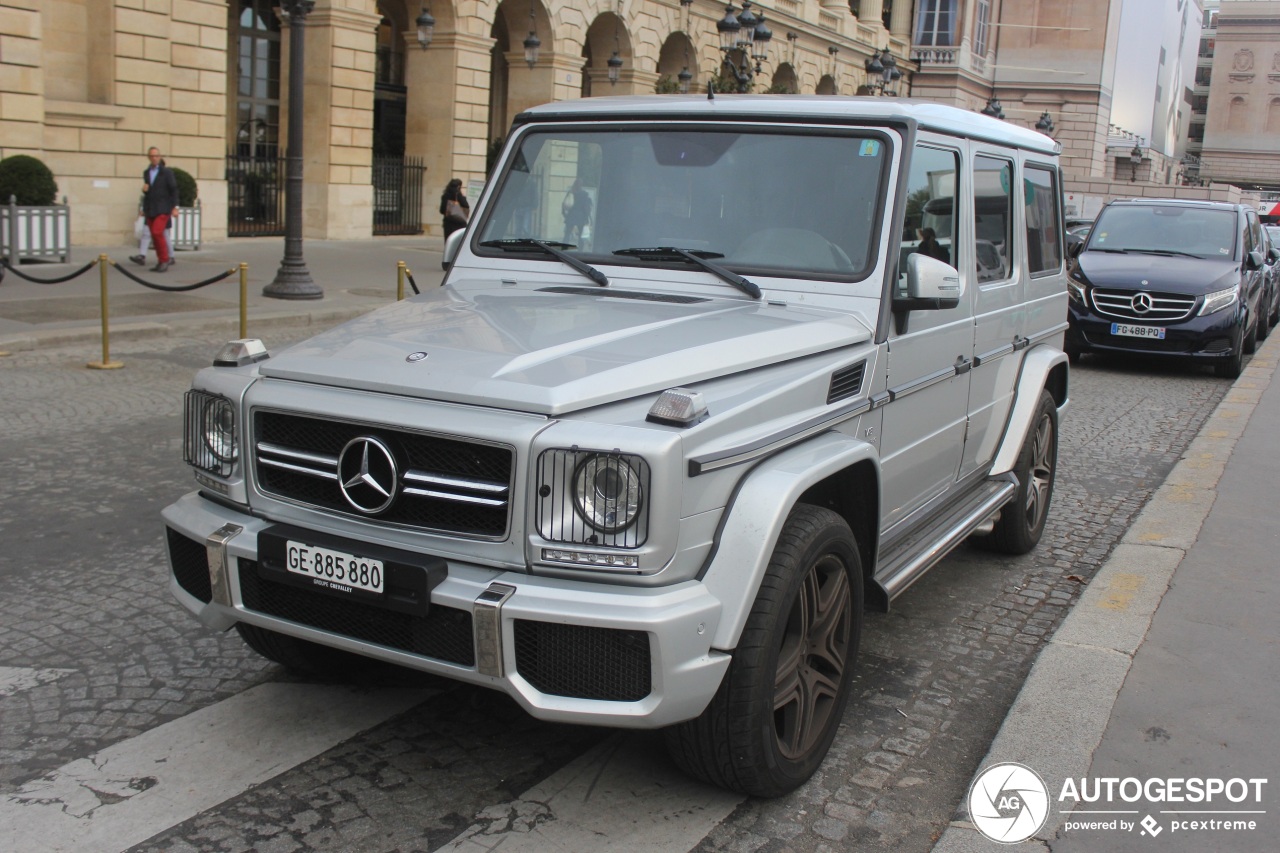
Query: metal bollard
x=244, y=297
x=399, y=280
x=106, y=363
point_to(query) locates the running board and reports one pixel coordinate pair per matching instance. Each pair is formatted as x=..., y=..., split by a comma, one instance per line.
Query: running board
x=906, y=561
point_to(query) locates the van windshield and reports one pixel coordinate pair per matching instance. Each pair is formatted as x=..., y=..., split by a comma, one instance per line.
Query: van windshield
x=1170, y=229
x=773, y=200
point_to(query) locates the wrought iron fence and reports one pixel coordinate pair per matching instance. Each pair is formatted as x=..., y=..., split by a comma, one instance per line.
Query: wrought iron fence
x=255, y=195
x=397, y=195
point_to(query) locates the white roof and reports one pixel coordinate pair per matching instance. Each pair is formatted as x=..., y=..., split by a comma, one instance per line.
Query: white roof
x=927, y=114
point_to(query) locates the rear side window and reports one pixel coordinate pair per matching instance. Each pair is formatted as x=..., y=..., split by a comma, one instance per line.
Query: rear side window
x=1044, y=234
x=993, y=214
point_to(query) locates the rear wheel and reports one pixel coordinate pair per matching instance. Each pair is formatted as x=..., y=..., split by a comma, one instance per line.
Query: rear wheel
x=1022, y=519
x=775, y=715
x=1249, y=343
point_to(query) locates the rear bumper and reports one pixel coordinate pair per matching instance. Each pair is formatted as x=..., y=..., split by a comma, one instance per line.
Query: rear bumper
x=567, y=651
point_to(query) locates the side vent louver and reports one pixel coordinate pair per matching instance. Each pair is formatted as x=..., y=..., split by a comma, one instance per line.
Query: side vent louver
x=846, y=382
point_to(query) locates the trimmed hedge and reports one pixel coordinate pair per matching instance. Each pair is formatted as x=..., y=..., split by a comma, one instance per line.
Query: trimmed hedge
x=187, y=191
x=27, y=178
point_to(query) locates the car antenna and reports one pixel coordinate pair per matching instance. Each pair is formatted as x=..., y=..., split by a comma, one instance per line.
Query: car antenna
x=711, y=90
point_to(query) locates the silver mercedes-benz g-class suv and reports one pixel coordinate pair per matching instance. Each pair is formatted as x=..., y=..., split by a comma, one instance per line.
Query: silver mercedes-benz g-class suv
x=705, y=379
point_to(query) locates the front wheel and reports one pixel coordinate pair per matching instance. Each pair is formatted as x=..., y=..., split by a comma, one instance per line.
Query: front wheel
x=775, y=715
x=1022, y=519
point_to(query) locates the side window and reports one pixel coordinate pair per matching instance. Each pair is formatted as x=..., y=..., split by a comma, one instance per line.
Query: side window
x=993, y=216
x=1044, y=241
x=930, y=225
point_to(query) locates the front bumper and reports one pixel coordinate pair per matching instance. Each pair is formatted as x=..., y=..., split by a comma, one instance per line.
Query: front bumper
x=1215, y=337
x=556, y=646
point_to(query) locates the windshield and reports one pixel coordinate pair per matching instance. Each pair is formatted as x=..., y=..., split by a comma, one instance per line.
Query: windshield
x=1195, y=231
x=787, y=202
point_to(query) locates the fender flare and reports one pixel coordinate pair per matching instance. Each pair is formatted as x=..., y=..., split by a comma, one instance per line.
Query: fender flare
x=1037, y=366
x=753, y=522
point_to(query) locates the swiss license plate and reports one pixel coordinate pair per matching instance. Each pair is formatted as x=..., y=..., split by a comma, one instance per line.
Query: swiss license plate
x=337, y=569
x=1128, y=331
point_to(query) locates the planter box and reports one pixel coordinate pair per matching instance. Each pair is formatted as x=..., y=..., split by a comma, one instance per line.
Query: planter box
x=186, y=228
x=42, y=232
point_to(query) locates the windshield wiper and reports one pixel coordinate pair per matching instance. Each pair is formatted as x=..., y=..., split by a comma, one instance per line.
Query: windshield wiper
x=550, y=247
x=1167, y=252
x=698, y=258
x=1113, y=251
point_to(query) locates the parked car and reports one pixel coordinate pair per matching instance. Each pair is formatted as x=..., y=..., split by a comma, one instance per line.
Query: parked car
x=1159, y=277
x=653, y=481
x=1272, y=234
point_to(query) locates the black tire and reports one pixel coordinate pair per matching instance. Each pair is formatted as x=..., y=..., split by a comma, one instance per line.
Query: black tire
x=1274, y=317
x=1249, y=343
x=1232, y=366
x=1261, y=328
x=1073, y=355
x=301, y=656
x=777, y=710
x=1022, y=519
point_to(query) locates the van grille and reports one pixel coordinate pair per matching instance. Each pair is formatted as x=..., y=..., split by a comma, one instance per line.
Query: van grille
x=1143, y=305
x=444, y=484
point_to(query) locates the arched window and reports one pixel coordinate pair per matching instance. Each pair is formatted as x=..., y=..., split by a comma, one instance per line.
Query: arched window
x=1273, y=116
x=1237, y=116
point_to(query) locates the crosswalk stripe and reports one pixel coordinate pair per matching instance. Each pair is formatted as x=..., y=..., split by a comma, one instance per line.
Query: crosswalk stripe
x=619, y=797
x=128, y=792
x=13, y=678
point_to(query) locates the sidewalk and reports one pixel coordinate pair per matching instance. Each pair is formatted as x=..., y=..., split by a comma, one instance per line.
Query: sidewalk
x=1168, y=668
x=355, y=276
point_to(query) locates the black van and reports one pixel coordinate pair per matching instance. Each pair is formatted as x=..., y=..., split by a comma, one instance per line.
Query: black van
x=1161, y=277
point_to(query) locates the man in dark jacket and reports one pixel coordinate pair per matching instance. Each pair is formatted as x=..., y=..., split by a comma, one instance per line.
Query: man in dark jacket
x=159, y=203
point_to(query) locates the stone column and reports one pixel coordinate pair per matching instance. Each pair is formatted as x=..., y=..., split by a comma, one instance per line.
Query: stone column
x=872, y=13
x=447, y=111
x=338, y=172
x=900, y=20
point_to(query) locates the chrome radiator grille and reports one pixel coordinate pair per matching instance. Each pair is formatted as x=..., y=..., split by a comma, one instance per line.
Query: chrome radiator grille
x=1143, y=305
x=418, y=480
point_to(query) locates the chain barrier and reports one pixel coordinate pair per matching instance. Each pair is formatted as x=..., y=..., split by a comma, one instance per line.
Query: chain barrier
x=180, y=288
x=4, y=262
x=103, y=261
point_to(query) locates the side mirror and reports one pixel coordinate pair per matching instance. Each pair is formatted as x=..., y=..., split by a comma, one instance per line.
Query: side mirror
x=1253, y=261
x=452, y=244
x=1273, y=254
x=931, y=285
x=1074, y=247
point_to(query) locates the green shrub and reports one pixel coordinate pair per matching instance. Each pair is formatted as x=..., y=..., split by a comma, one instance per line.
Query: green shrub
x=666, y=85
x=187, y=191
x=27, y=178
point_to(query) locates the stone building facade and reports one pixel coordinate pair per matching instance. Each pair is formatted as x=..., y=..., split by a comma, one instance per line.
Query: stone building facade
x=1242, y=124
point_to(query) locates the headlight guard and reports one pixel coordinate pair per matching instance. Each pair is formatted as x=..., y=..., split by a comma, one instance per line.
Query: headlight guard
x=210, y=438
x=593, y=497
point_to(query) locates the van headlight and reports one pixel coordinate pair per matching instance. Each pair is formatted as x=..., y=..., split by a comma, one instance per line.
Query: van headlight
x=593, y=498
x=210, y=442
x=1219, y=299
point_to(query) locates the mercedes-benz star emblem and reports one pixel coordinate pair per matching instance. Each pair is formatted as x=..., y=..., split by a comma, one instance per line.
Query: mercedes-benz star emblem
x=367, y=474
x=1141, y=303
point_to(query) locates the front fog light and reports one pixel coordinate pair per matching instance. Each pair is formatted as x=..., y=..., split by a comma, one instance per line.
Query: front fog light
x=606, y=491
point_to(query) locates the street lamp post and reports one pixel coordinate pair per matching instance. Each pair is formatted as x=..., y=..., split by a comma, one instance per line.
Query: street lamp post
x=1135, y=159
x=293, y=280
x=746, y=33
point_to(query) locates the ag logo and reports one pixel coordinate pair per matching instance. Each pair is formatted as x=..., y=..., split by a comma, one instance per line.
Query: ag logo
x=1008, y=802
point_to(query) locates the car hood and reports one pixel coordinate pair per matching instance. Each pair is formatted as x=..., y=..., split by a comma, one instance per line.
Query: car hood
x=555, y=350
x=1163, y=273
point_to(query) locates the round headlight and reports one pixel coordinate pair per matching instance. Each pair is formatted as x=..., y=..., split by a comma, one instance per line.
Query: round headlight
x=218, y=428
x=606, y=492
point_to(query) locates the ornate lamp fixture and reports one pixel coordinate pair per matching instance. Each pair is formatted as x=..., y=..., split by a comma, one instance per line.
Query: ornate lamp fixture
x=885, y=67
x=744, y=32
x=993, y=108
x=532, y=43
x=1135, y=159
x=685, y=77
x=426, y=28
x=1045, y=124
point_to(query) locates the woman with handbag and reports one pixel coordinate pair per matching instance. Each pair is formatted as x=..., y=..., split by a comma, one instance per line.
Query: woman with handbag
x=454, y=207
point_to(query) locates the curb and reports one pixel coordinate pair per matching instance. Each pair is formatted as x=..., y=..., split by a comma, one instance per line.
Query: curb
x=1059, y=717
